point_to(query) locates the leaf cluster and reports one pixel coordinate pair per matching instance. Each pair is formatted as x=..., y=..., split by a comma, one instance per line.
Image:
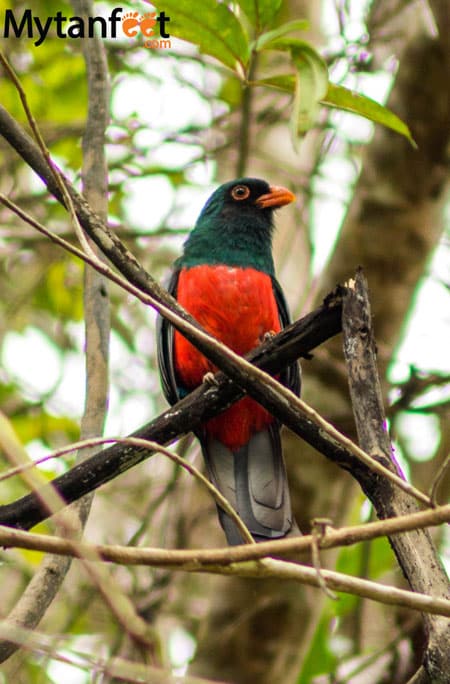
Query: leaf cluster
x=237, y=34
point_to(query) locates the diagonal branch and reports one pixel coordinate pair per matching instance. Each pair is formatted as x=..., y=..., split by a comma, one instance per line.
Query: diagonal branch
x=117, y=669
x=262, y=387
x=256, y=382
x=205, y=402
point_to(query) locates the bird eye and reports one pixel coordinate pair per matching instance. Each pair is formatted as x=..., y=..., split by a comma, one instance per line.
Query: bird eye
x=240, y=192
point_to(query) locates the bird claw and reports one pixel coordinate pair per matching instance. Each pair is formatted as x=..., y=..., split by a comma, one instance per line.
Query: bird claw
x=268, y=335
x=210, y=379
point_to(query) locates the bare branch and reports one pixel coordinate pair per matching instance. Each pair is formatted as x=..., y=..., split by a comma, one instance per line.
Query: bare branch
x=346, y=536
x=415, y=550
x=206, y=401
x=266, y=567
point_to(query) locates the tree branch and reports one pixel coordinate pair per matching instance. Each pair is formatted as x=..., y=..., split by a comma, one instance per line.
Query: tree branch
x=184, y=558
x=188, y=414
x=263, y=389
x=203, y=561
x=205, y=402
x=415, y=550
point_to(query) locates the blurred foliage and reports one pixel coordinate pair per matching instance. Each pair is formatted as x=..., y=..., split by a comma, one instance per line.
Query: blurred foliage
x=174, y=113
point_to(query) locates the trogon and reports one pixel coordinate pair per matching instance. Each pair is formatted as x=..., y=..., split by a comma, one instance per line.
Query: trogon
x=226, y=279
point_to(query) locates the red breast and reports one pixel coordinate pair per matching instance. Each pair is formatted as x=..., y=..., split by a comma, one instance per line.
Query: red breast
x=237, y=306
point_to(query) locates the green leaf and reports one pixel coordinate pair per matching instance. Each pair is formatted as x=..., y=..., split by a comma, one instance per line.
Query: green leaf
x=231, y=92
x=284, y=82
x=311, y=83
x=214, y=28
x=350, y=101
x=45, y=427
x=266, y=39
x=260, y=13
x=346, y=100
x=319, y=659
x=60, y=292
x=293, y=45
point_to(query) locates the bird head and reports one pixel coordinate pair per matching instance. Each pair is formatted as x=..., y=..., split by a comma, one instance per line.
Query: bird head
x=236, y=224
x=246, y=195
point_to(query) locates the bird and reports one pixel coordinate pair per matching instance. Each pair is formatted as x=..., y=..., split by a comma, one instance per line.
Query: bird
x=225, y=278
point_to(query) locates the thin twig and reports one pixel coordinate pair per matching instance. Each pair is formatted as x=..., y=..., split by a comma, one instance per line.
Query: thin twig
x=318, y=528
x=438, y=479
x=91, y=442
x=121, y=668
x=58, y=176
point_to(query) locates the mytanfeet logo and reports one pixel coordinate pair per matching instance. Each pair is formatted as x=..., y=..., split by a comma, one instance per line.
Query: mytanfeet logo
x=150, y=25
x=133, y=22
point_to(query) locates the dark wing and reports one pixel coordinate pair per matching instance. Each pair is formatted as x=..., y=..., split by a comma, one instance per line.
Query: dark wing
x=290, y=377
x=164, y=346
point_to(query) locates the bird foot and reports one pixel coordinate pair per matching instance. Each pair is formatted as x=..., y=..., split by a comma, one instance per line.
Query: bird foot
x=210, y=379
x=268, y=335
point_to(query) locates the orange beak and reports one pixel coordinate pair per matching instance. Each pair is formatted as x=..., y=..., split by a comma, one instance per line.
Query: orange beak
x=277, y=197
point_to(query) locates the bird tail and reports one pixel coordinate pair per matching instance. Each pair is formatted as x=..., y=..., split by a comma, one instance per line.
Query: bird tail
x=253, y=479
